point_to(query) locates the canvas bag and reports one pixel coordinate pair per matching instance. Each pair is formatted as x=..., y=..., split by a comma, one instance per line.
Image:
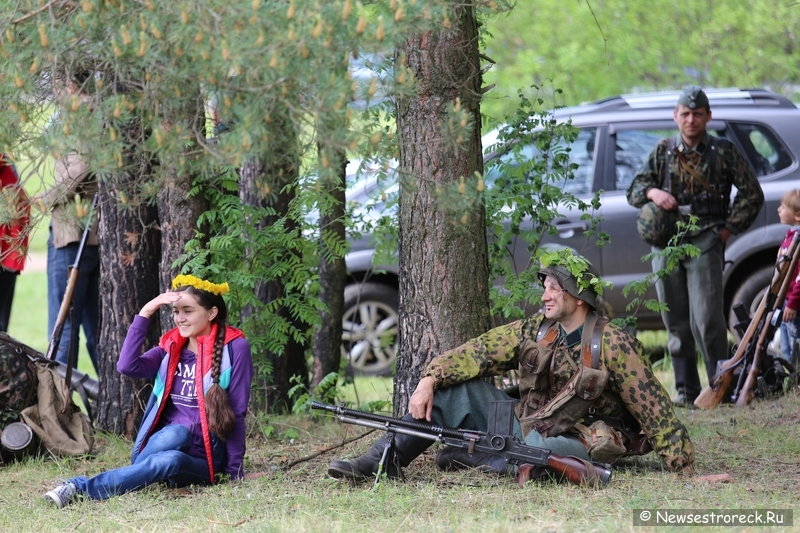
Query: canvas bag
x=68, y=433
x=656, y=226
x=603, y=443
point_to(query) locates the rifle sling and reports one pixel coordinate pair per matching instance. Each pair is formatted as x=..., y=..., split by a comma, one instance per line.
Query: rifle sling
x=684, y=164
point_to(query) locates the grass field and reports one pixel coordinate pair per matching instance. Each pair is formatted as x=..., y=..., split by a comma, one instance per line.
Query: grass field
x=759, y=447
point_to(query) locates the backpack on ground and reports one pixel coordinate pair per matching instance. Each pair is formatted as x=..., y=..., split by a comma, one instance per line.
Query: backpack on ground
x=32, y=392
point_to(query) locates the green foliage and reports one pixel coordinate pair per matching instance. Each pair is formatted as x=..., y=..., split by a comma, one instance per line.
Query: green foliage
x=135, y=80
x=594, y=50
x=577, y=266
x=325, y=392
x=529, y=176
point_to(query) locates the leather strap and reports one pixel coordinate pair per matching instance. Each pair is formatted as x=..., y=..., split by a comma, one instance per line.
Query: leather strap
x=684, y=164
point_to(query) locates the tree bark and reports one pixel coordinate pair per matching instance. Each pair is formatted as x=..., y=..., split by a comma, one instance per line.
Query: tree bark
x=444, y=285
x=268, y=181
x=332, y=275
x=130, y=253
x=178, y=212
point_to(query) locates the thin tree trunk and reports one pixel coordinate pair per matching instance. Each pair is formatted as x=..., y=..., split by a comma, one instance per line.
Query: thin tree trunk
x=332, y=276
x=444, y=292
x=178, y=212
x=130, y=253
x=272, y=172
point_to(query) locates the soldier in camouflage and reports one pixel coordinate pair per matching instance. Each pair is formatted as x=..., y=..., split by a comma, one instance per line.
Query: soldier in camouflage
x=694, y=174
x=576, y=369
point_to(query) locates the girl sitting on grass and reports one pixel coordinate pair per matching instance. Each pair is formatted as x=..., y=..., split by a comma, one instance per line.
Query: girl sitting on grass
x=193, y=428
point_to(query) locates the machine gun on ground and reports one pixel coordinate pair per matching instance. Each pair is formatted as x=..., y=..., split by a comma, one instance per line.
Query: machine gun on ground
x=751, y=350
x=498, y=440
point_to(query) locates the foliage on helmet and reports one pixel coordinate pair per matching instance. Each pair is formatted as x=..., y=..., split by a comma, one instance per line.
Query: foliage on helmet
x=575, y=273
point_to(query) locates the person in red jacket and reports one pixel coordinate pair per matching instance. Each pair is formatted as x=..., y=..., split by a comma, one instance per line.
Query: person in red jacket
x=789, y=214
x=14, y=228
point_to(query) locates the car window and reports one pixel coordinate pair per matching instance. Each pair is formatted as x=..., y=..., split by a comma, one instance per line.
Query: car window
x=632, y=149
x=581, y=153
x=765, y=151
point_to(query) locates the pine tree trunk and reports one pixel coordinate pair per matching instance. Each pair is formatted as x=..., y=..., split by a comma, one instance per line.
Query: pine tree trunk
x=130, y=253
x=178, y=213
x=444, y=286
x=272, y=172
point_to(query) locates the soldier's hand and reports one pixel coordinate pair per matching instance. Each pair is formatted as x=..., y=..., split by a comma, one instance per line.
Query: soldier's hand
x=421, y=403
x=662, y=199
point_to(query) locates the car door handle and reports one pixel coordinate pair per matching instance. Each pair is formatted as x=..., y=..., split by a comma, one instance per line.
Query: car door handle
x=567, y=229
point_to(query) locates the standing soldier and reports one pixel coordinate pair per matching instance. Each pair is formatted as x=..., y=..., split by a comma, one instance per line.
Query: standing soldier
x=693, y=173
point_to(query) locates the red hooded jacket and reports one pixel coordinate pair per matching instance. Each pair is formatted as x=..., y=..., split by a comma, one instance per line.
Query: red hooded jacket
x=16, y=209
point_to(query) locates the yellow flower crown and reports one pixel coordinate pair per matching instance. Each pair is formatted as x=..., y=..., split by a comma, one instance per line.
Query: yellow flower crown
x=185, y=280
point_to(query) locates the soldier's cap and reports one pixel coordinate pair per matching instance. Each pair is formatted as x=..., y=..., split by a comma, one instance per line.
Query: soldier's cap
x=581, y=289
x=693, y=97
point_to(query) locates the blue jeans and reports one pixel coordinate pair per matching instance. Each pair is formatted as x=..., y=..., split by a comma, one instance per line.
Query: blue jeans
x=789, y=331
x=85, y=299
x=164, y=458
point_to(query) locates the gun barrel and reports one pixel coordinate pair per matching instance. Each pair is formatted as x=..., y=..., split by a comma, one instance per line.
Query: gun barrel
x=391, y=423
x=91, y=386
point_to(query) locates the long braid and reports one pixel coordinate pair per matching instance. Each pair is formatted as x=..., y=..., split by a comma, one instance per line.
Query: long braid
x=221, y=418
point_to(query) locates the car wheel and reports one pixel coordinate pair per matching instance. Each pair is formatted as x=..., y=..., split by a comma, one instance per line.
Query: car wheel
x=370, y=328
x=750, y=293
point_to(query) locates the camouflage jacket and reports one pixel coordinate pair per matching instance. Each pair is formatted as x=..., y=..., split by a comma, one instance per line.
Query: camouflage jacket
x=631, y=385
x=733, y=170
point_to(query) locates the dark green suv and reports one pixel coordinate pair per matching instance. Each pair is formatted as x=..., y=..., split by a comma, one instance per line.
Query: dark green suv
x=616, y=135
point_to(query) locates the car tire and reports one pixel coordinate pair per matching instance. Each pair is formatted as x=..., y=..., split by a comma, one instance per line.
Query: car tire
x=370, y=329
x=750, y=293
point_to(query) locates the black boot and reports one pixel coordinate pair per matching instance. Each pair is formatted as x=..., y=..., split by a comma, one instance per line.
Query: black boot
x=458, y=459
x=406, y=449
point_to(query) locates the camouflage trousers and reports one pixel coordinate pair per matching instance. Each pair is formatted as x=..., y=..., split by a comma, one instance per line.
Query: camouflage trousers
x=696, y=319
x=466, y=406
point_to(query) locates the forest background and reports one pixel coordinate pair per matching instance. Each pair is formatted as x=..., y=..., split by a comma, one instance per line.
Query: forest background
x=236, y=206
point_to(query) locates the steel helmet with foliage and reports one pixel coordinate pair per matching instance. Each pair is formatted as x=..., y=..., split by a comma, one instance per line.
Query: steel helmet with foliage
x=574, y=273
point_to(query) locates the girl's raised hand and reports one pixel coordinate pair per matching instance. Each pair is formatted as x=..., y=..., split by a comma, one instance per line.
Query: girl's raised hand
x=165, y=298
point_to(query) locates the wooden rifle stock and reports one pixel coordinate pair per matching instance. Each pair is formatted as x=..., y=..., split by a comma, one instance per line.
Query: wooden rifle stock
x=63, y=312
x=746, y=392
x=72, y=282
x=713, y=394
x=66, y=306
x=573, y=469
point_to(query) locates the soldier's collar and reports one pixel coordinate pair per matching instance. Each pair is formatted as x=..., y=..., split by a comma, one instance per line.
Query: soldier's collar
x=572, y=338
x=700, y=148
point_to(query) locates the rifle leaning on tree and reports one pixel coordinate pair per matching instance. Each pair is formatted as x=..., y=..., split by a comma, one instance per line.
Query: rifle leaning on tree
x=63, y=312
x=498, y=440
x=759, y=332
